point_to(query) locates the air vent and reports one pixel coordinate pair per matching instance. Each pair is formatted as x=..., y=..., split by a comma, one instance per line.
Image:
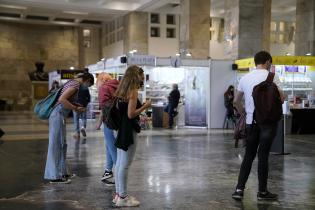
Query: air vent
x=94, y=22
x=68, y=20
x=10, y=15
x=35, y=17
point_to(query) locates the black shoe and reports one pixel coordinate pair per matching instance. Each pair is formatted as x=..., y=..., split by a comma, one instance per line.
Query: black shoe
x=109, y=182
x=238, y=195
x=69, y=176
x=267, y=196
x=107, y=175
x=60, y=181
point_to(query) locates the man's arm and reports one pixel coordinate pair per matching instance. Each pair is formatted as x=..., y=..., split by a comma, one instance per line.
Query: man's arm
x=237, y=102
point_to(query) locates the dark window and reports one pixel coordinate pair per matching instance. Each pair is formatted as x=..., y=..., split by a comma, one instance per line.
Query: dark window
x=170, y=33
x=155, y=32
x=170, y=19
x=155, y=18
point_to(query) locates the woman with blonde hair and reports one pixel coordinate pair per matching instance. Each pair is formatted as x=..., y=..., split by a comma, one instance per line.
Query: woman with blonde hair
x=106, y=93
x=126, y=141
x=101, y=79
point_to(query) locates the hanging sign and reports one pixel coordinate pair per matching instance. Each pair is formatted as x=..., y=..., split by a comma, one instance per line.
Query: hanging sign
x=142, y=60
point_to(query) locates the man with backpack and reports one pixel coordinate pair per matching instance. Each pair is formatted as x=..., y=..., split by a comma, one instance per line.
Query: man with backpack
x=263, y=107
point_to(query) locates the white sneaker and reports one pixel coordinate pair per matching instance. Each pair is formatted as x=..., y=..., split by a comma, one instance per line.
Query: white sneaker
x=128, y=201
x=115, y=198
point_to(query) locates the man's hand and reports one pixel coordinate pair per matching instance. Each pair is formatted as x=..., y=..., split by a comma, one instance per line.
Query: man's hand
x=237, y=102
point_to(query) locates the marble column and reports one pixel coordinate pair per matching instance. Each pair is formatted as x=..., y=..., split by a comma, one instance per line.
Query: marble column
x=194, y=27
x=247, y=27
x=136, y=32
x=305, y=27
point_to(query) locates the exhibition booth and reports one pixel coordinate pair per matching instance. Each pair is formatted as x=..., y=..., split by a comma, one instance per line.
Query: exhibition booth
x=297, y=77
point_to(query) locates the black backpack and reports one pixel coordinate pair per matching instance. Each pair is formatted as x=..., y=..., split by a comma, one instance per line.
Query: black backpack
x=111, y=114
x=267, y=101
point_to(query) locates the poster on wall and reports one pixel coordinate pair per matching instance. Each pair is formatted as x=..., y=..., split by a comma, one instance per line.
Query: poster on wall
x=195, y=98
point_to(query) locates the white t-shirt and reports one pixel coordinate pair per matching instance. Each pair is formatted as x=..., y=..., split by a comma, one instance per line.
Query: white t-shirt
x=247, y=84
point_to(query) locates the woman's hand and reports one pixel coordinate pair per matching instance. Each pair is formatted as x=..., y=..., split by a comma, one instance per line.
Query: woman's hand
x=147, y=104
x=81, y=109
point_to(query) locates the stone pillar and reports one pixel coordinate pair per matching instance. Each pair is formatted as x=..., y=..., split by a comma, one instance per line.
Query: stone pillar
x=194, y=27
x=305, y=27
x=136, y=32
x=247, y=27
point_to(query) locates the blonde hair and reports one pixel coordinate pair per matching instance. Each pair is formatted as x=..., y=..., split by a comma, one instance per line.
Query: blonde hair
x=129, y=82
x=101, y=78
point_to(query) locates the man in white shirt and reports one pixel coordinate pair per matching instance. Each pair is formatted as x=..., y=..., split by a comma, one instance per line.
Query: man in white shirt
x=259, y=138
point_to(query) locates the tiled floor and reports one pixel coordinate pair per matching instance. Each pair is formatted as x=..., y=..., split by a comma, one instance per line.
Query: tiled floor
x=180, y=169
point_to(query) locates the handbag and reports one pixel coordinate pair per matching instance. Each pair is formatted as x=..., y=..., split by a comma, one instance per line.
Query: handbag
x=240, y=128
x=44, y=107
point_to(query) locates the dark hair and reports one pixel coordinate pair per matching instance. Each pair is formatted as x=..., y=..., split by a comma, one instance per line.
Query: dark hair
x=86, y=76
x=262, y=57
x=229, y=90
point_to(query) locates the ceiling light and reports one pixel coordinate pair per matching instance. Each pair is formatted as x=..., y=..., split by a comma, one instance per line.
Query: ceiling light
x=287, y=54
x=308, y=53
x=177, y=54
x=12, y=6
x=188, y=54
x=75, y=13
x=71, y=68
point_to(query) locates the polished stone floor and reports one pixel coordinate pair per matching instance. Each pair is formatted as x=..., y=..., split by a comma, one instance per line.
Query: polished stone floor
x=179, y=169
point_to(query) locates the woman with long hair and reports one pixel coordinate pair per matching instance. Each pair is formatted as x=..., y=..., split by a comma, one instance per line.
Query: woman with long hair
x=56, y=170
x=106, y=93
x=228, y=102
x=126, y=141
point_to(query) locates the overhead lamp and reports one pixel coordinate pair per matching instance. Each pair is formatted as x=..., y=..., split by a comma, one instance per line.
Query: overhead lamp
x=75, y=13
x=103, y=59
x=188, y=54
x=288, y=54
x=133, y=51
x=308, y=54
x=71, y=68
x=177, y=54
x=12, y=6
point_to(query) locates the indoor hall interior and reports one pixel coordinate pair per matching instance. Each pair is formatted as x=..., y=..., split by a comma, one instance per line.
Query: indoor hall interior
x=203, y=46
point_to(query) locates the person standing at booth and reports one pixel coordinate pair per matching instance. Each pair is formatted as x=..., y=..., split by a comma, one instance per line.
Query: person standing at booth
x=259, y=136
x=173, y=100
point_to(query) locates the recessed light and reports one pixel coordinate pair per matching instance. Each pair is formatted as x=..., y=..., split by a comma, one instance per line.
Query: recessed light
x=75, y=13
x=12, y=6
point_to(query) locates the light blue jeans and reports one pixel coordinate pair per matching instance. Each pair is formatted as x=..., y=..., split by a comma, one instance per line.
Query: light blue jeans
x=111, y=149
x=124, y=160
x=56, y=165
x=76, y=120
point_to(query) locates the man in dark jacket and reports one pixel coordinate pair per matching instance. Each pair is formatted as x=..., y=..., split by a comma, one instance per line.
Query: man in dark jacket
x=173, y=100
x=84, y=99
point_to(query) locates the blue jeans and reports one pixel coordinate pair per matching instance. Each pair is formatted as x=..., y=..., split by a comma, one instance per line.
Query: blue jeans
x=76, y=120
x=124, y=160
x=56, y=165
x=171, y=114
x=111, y=149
